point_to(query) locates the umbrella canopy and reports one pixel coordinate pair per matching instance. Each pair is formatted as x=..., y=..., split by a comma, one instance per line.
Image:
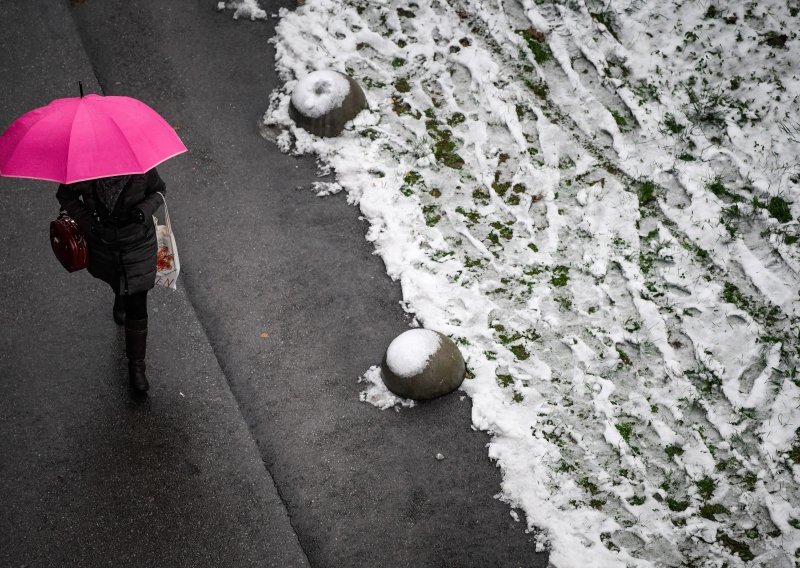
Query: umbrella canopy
x=89, y=137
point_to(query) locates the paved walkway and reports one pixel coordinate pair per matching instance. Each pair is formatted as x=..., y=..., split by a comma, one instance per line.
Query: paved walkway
x=250, y=450
x=87, y=476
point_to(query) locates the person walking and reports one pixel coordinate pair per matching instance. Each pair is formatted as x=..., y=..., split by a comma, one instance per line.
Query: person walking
x=115, y=213
x=103, y=151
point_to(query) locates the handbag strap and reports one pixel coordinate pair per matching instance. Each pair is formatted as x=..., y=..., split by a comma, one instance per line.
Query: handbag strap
x=166, y=211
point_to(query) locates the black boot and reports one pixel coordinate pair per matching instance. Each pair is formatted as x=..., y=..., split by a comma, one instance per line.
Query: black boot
x=135, y=349
x=119, y=310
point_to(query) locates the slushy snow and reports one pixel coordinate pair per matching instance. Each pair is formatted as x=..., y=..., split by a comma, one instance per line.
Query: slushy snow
x=410, y=351
x=244, y=9
x=320, y=92
x=598, y=202
x=377, y=394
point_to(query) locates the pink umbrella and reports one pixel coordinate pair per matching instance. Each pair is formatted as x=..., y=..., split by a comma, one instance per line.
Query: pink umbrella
x=89, y=137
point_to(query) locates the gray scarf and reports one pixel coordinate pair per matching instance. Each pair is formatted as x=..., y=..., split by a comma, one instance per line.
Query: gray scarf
x=109, y=190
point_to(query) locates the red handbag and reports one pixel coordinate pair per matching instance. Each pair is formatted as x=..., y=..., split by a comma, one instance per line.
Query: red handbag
x=69, y=243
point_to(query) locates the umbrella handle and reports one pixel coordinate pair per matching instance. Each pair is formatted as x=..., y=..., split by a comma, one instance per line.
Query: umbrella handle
x=80, y=86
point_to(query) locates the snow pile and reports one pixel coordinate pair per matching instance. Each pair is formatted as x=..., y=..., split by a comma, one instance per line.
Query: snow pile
x=378, y=395
x=410, y=351
x=320, y=92
x=244, y=9
x=598, y=203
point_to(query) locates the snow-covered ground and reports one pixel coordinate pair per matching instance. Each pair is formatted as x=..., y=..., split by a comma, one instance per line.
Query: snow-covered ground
x=598, y=201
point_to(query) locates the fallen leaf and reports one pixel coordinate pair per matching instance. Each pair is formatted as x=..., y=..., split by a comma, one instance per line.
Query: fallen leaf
x=264, y=334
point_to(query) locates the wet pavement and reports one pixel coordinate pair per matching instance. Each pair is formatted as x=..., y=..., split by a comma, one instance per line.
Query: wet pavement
x=253, y=447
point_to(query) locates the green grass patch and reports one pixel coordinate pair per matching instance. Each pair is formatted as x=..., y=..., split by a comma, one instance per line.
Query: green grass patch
x=370, y=133
x=717, y=187
x=671, y=124
x=457, y=118
x=472, y=262
x=732, y=295
x=645, y=91
x=506, y=339
x=564, y=303
x=676, y=505
x=372, y=84
x=401, y=107
x=539, y=88
x=503, y=230
x=560, y=276
x=625, y=430
x=646, y=191
x=480, y=195
x=624, y=360
x=706, y=487
x=736, y=547
x=597, y=503
x=704, y=379
x=779, y=208
x=432, y=215
x=402, y=85
x=444, y=146
x=646, y=262
x=711, y=510
x=606, y=18
x=519, y=352
x=472, y=215
x=410, y=181
x=587, y=484
x=412, y=178
x=444, y=150
x=622, y=123
x=673, y=450
x=539, y=48
x=504, y=380
x=636, y=500
x=500, y=187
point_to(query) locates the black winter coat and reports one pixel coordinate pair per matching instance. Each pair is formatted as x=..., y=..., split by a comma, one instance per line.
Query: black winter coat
x=121, y=252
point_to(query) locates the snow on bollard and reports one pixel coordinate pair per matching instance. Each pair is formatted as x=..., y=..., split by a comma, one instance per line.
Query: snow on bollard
x=421, y=364
x=323, y=101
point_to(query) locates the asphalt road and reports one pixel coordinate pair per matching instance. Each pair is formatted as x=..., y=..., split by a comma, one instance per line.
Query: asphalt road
x=361, y=486
x=88, y=476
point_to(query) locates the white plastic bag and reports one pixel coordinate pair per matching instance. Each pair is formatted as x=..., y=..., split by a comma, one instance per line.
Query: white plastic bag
x=168, y=265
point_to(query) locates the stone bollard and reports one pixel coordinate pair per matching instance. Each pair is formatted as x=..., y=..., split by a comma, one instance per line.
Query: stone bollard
x=323, y=101
x=422, y=364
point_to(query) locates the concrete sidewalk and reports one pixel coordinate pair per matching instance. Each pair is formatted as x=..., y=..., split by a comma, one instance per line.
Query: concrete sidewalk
x=89, y=477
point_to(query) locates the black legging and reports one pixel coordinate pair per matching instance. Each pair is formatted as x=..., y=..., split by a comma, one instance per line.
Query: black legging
x=135, y=306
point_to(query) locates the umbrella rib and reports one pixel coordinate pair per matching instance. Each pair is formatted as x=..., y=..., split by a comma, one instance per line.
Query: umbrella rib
x=69, y=140
x=125, y=138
